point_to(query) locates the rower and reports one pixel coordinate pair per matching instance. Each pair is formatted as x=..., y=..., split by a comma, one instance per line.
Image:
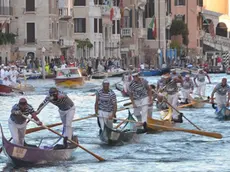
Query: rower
x=141, y=97
x=105, y=105
x=13, y=75
x=66, y=110
x=17, y=123
x=171, y=89
x=187, y=89
x=221, y=91
x=200, y=82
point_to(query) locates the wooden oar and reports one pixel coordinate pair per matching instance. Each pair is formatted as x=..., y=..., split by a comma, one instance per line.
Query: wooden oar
x=199, y=132
x=31, y=130
x=122, y=100
x=183, y=115
x=96, y=156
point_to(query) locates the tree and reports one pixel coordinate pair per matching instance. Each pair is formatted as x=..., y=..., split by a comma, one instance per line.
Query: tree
x=7, y=38
x=82, y=44
x=178, y=27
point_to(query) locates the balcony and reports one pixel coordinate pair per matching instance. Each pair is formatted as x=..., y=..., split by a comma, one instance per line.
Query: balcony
x=126, y=32
x=6, y=11
x=30, y=41
x=66, y=43
x=29, y=10
x=65, y=13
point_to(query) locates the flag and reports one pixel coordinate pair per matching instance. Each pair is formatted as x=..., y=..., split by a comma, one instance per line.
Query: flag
x=152, y=29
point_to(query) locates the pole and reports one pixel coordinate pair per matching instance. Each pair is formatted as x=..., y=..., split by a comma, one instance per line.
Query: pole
x=187, y=21
x=43, y=66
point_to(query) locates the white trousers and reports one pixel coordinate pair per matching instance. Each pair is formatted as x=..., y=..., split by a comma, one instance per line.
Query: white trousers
x=67, y=118
x=221, y=101
x=141, y=112
x=17, y=131
x=185, y=94
x=103, y=119
x=173, y=100
x=200, y=90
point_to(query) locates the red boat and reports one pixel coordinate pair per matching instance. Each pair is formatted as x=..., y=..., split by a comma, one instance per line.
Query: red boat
x=7, y=90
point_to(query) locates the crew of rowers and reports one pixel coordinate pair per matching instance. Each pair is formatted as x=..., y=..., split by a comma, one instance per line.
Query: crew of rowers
x=8, y=75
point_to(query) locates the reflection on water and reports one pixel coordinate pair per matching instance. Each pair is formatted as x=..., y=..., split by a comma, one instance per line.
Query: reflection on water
x=168, y=151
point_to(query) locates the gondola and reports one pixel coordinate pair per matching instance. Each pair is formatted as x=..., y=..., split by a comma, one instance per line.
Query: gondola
x=30, y=156
x=119, y=136
x=223, y=114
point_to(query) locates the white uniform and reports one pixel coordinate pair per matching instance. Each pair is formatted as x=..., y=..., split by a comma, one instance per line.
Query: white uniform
x=187, y=88
x=201, y=84
x=6, y=80
x=221, y=95
x=13, y=76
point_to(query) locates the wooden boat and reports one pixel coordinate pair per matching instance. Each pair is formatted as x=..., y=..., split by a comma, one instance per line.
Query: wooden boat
x=198, y=102
x=9, y=91
x=28, y=156
x=116, y=72
x=25, y=87
x=223, y=114
x=119, y=136
x=99, y=75
x=120, y=88
x=165, y=120
x=69, y=78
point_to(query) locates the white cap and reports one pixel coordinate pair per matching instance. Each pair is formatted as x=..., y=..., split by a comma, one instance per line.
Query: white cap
x=135, y=74
x=187, y=76
x=4, y=67
x=173, y=70
x=105, y=81
x=199, y=70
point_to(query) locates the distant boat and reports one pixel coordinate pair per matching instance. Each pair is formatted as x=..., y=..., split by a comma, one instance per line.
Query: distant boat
x=69, y=78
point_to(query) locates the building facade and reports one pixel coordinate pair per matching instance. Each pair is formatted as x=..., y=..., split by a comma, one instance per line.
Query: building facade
x=97, y=28
x=5, y=19
x=145, y=31
x=190, y=12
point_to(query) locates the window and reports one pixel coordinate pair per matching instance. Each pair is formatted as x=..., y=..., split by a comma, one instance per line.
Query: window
x=30, y=32
x=100, y=26
x=200, y=3
x=126, y=19
x=179, y=2
x=30, y=5
x=95, y=25
x=150, y=9
x=114, y=27
x=79, y=2
x=118, y=27
x=79, y=25
x=116, y=3
x=98, y=2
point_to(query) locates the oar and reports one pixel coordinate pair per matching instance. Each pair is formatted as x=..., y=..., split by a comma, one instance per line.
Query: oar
x=182, y=115
x=199, y=132
x=122, y=100
x=31, y=130
x=96, y=156
x=179, y=112
x=17, y=90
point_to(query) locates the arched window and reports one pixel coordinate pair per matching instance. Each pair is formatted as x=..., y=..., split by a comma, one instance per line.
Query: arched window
x=126, y=18
x=222, y=30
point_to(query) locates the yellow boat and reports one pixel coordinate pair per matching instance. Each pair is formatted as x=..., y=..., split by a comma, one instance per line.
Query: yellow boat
x=165, y=120
x=69, y=78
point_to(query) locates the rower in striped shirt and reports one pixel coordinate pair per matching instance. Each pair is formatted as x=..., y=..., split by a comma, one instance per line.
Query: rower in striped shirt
x=105, y=105
x=66, y=110
x=141, y=97
x=17, y=123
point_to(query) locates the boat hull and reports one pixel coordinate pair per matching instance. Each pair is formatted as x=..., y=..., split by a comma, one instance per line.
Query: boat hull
x=69, y=82
x=223, y=114
x=28, y=156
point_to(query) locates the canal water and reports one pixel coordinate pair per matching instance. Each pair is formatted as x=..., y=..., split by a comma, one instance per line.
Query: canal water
x=166, y=151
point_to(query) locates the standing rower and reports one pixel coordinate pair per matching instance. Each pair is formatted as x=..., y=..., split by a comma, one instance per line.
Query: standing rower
x=187, y=89
x=17, y=123
x=105, y=105
x=222, y=92
x=141, y=97
x=200, y=82
x=66, y=110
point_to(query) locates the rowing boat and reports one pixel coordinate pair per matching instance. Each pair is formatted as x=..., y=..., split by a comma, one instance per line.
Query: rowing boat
x=223, y=114
x=198, y=102
x=29, y=156
x=119, y=136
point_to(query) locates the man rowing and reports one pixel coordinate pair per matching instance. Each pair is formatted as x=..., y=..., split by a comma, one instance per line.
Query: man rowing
x=105, y=105
x=187, y=89
x=66, y=110
x=171, y=89
x=200, y=82
x=222, y=92
x=141, y=97
x=17, y=123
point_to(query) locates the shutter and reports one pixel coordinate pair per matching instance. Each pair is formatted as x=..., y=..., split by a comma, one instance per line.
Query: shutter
x=131, y=18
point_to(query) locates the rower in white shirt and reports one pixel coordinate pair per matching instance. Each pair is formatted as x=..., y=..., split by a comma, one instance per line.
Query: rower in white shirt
x=13, y=75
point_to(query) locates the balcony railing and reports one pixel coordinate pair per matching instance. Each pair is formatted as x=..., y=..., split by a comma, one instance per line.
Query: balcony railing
x=30, y=41
x=126, y=32
x=65, y=13
x=66, y=42
x=6, y=11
